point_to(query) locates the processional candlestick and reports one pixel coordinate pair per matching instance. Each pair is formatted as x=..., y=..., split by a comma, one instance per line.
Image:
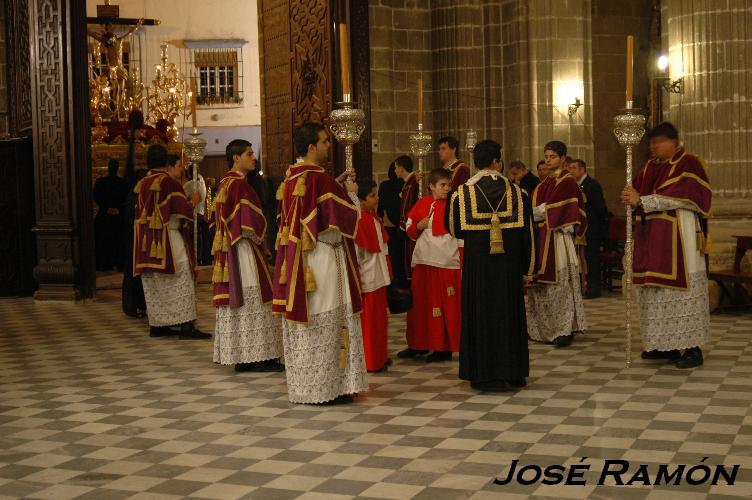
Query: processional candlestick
x=347, y=123
x=629, y=127
x=195, y=149
x=420, y=142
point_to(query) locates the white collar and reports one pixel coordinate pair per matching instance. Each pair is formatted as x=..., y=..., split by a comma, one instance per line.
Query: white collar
x=484, y=173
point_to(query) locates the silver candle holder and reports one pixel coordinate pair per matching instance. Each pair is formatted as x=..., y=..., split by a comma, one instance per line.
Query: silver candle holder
x=629, y=127
x=347, y=123
x=195, y=150
x=420, y=145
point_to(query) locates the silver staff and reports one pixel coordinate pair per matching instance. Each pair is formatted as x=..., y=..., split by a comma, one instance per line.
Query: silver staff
x=629, y=127
x=195, y=148
x=347, y=124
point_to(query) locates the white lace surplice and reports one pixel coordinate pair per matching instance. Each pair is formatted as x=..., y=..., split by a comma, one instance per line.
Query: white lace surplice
x=251, y=332
x=171, y=298
x=555, y=310
x=669, y=318
x=312, y=350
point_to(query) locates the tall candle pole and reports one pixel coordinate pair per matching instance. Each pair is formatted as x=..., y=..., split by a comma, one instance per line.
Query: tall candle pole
x=420, y=142
x=346, y=123
x=629, y=127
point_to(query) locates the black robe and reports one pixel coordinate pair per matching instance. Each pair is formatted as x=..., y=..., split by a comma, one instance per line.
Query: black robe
x=494, y=343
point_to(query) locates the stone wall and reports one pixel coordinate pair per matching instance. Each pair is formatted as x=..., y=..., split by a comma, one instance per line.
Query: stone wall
x=709, y=43
x=400, y=54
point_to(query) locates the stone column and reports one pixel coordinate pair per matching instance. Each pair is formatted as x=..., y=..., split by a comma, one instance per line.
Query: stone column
x=709, y=43
x=546, y=63
x=62, y=170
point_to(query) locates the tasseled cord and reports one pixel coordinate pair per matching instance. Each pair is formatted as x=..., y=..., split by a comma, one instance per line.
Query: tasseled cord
x=497, y=240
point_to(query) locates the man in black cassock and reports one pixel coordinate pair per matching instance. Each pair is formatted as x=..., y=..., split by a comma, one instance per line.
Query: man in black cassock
x=494, y=217
x=110, y=193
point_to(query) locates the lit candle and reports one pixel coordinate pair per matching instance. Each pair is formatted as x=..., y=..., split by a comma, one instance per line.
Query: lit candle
x=344, y=52
x=193, y=104
x=420, y=100
x=630, y=63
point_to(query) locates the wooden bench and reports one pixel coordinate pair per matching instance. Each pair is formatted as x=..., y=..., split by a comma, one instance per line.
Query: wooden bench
x=732, y=282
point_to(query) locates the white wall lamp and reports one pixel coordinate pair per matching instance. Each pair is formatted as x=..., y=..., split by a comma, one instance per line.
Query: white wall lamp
x=672, y=86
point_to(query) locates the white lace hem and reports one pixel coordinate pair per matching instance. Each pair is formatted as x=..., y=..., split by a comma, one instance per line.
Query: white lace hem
x=312, y=357
x=249, y=333
x=675, y=319
x=170, y=298
x=557, y=309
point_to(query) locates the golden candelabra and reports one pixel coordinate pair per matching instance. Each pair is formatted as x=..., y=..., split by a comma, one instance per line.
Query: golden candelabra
x=166, y=97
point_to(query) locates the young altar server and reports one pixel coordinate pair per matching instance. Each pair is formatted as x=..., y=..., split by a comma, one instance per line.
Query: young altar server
x=246, y=335
x=434, y=322
x=375, y=276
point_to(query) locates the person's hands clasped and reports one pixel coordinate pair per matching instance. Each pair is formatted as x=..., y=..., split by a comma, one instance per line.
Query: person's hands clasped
x=630, y=196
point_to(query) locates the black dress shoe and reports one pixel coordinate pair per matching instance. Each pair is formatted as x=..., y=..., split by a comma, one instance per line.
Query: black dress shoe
x=691, y=358
x=160, y=331
x=490, y=386
x=271, y=365
x=517, y=383
x=411, y=353
x=339, y=400
x=193, y=333
x=439, y=356
x=563, y=341
x=668, y=355
x=388, y=362
x=383, y=369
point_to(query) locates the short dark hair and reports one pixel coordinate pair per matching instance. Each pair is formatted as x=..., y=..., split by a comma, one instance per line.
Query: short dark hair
x=405, y=162
x=365, y=186
x=486, y=152
x=391, y=173
x=540, y=162
x=437, y=174
x=557, y=147
x=156, y=156
x=235, y=147
x=450, y=141
x=580, y=163
x=113, y=166
x=306, y=135
x=517, y=164
x=665, y=129
x=172, y=159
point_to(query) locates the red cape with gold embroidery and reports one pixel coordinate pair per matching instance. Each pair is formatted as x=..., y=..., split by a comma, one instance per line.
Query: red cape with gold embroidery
x=460, y=173
x=310, y=203
x=237, y=210
x=565, y=206
x=658, y=240
x=421, y=210
x=159, y=197
x=367, y=236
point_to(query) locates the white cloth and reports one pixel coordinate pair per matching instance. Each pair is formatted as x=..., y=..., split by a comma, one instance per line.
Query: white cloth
x=437, y=251
x=249, y=333
x=555, y=310
x=171, y=298
x=247, y=261
x=312, y=357
x=670, y=318
x=374, y=269
x=188, y=189
x=322, y=262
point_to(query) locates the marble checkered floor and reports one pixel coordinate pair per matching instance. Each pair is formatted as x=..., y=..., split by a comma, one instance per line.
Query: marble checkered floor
x=91, y=407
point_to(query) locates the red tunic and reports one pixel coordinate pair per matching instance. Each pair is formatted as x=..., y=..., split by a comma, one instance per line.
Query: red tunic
x=237, y=208
x=408, y=197
x=375, y=319
x=310, y=202
x=565, y=206
x=460, y=173
x=658, y=241
x=159, y=197
x=435, y=321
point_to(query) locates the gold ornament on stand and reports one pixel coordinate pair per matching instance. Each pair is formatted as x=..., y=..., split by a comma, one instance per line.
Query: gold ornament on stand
x=166, y=96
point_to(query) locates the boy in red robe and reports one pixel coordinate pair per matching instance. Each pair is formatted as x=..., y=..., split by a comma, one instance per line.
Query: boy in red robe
x=375, y=276
x=435, y=321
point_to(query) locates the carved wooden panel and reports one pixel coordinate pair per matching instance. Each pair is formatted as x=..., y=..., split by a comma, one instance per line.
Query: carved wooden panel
x=19, y=67
x=276, y=99
x=361, y=70
x=49, y=101
x=311, y=43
